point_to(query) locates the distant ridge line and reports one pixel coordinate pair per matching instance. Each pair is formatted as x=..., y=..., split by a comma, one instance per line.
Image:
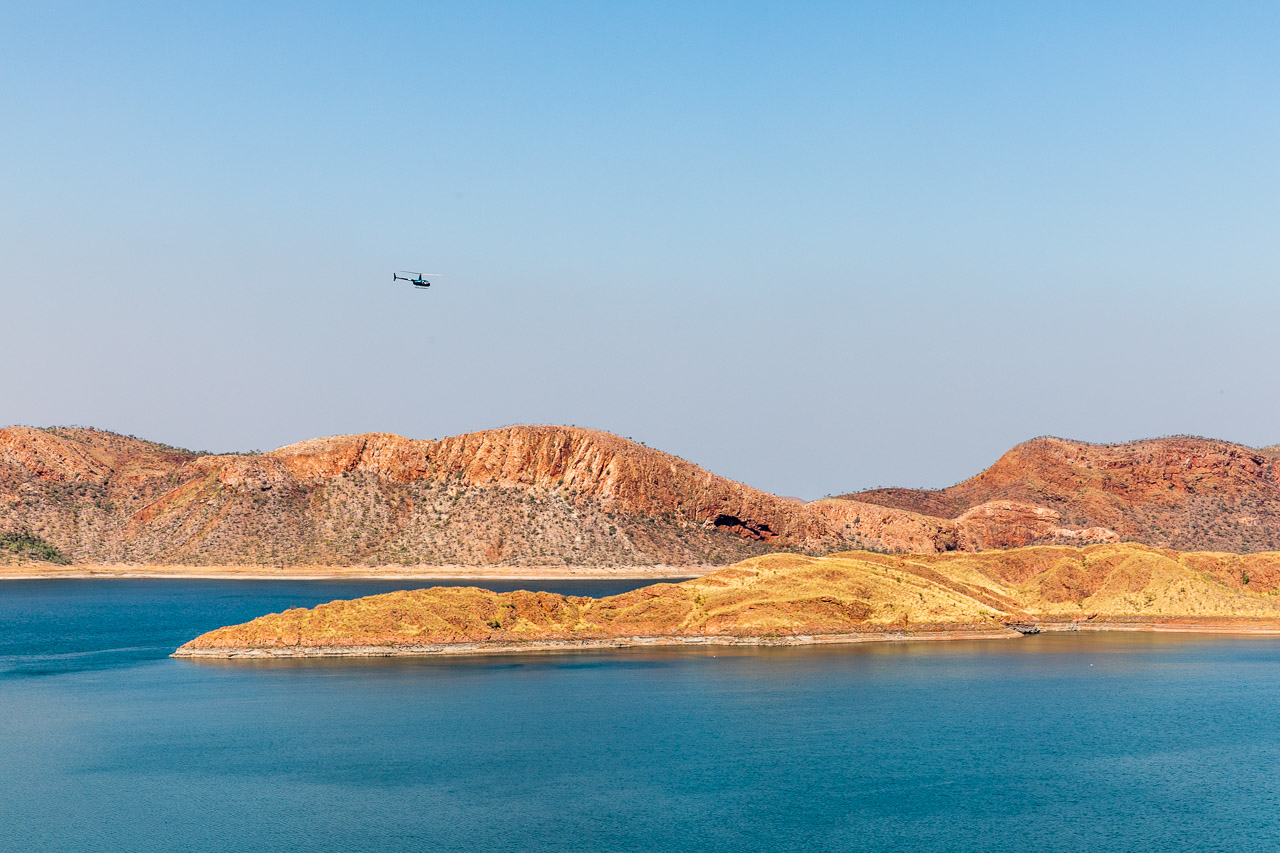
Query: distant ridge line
x=548, y=494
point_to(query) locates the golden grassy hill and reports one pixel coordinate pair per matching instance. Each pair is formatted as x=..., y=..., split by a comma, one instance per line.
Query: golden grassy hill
x=787, y=595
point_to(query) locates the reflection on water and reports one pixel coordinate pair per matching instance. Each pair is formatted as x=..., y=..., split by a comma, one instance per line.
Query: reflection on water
x=1054, y=742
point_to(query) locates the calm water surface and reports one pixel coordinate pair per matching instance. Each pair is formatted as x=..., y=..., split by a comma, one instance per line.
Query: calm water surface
x=1094, y=742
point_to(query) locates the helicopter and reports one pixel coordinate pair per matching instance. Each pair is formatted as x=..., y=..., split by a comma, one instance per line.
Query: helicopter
x=417, y=279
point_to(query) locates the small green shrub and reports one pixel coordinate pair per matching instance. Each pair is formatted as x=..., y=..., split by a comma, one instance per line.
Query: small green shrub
x=26, y=544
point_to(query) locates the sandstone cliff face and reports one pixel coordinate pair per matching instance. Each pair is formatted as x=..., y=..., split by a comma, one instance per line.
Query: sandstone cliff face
x=49, y=457
x=518, y=495
x=900, y=530
x=1175, y=492
x=545, y=495
x=84, y=456
x=1009, y=524
x=75, y=487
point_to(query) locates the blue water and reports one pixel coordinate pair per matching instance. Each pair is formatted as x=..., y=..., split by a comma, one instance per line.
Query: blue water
x=1088, y=742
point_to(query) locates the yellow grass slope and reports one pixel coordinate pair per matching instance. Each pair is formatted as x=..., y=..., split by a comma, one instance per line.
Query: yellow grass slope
x=788, y=595
x=1126, y=582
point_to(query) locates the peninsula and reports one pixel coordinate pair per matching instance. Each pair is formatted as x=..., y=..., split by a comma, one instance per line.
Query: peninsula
x=795, y=599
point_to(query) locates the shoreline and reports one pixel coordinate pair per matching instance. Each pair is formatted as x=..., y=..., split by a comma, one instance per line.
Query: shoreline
x=444, y=649
x=372, y=573
x=704, y=640
x=1269, y=629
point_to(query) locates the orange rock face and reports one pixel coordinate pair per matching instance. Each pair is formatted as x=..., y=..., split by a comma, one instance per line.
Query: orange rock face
x=519, y=495
x=46, y=456
x=547, y=495
x=1009, y=524
x=1174, y=492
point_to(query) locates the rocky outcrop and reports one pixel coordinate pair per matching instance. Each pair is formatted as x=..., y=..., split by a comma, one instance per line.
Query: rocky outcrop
x=1177, y=492
x=1009, y=524
x=533, y=495
x=48, y=456
x=898, y=530
x=548, y=495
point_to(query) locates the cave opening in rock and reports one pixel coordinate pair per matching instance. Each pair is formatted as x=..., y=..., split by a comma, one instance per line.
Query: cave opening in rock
x=751, y=530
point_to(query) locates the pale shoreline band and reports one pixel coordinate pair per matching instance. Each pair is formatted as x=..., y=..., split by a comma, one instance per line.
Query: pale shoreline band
x=373, y=573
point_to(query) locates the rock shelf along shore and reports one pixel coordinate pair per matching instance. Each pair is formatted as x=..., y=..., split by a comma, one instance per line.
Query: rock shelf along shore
x=787, y=599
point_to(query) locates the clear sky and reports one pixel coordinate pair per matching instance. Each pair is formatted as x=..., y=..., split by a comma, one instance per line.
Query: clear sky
x=814, y=247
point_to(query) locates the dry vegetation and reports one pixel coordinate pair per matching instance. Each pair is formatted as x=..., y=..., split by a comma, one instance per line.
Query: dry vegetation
x=558, y=497
x=790, y=595
x=520, y=497
x=1179, y=492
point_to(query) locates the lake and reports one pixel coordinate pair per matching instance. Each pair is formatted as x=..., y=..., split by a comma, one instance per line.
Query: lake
x=1054, y=742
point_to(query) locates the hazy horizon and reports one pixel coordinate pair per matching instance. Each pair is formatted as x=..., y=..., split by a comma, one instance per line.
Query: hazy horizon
x=814, y=249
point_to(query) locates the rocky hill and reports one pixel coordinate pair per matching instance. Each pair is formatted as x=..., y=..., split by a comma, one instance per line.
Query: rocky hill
x=528, y=495
x=556, y=496
x=1187, y=493
x=780, y=597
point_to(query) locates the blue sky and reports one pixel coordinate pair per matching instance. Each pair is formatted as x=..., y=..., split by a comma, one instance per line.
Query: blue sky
x=812, y=247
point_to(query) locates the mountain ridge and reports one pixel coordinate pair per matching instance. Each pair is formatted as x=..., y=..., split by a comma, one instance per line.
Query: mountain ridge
x=1182, y=492
x=559, y=496
x=520, y=495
